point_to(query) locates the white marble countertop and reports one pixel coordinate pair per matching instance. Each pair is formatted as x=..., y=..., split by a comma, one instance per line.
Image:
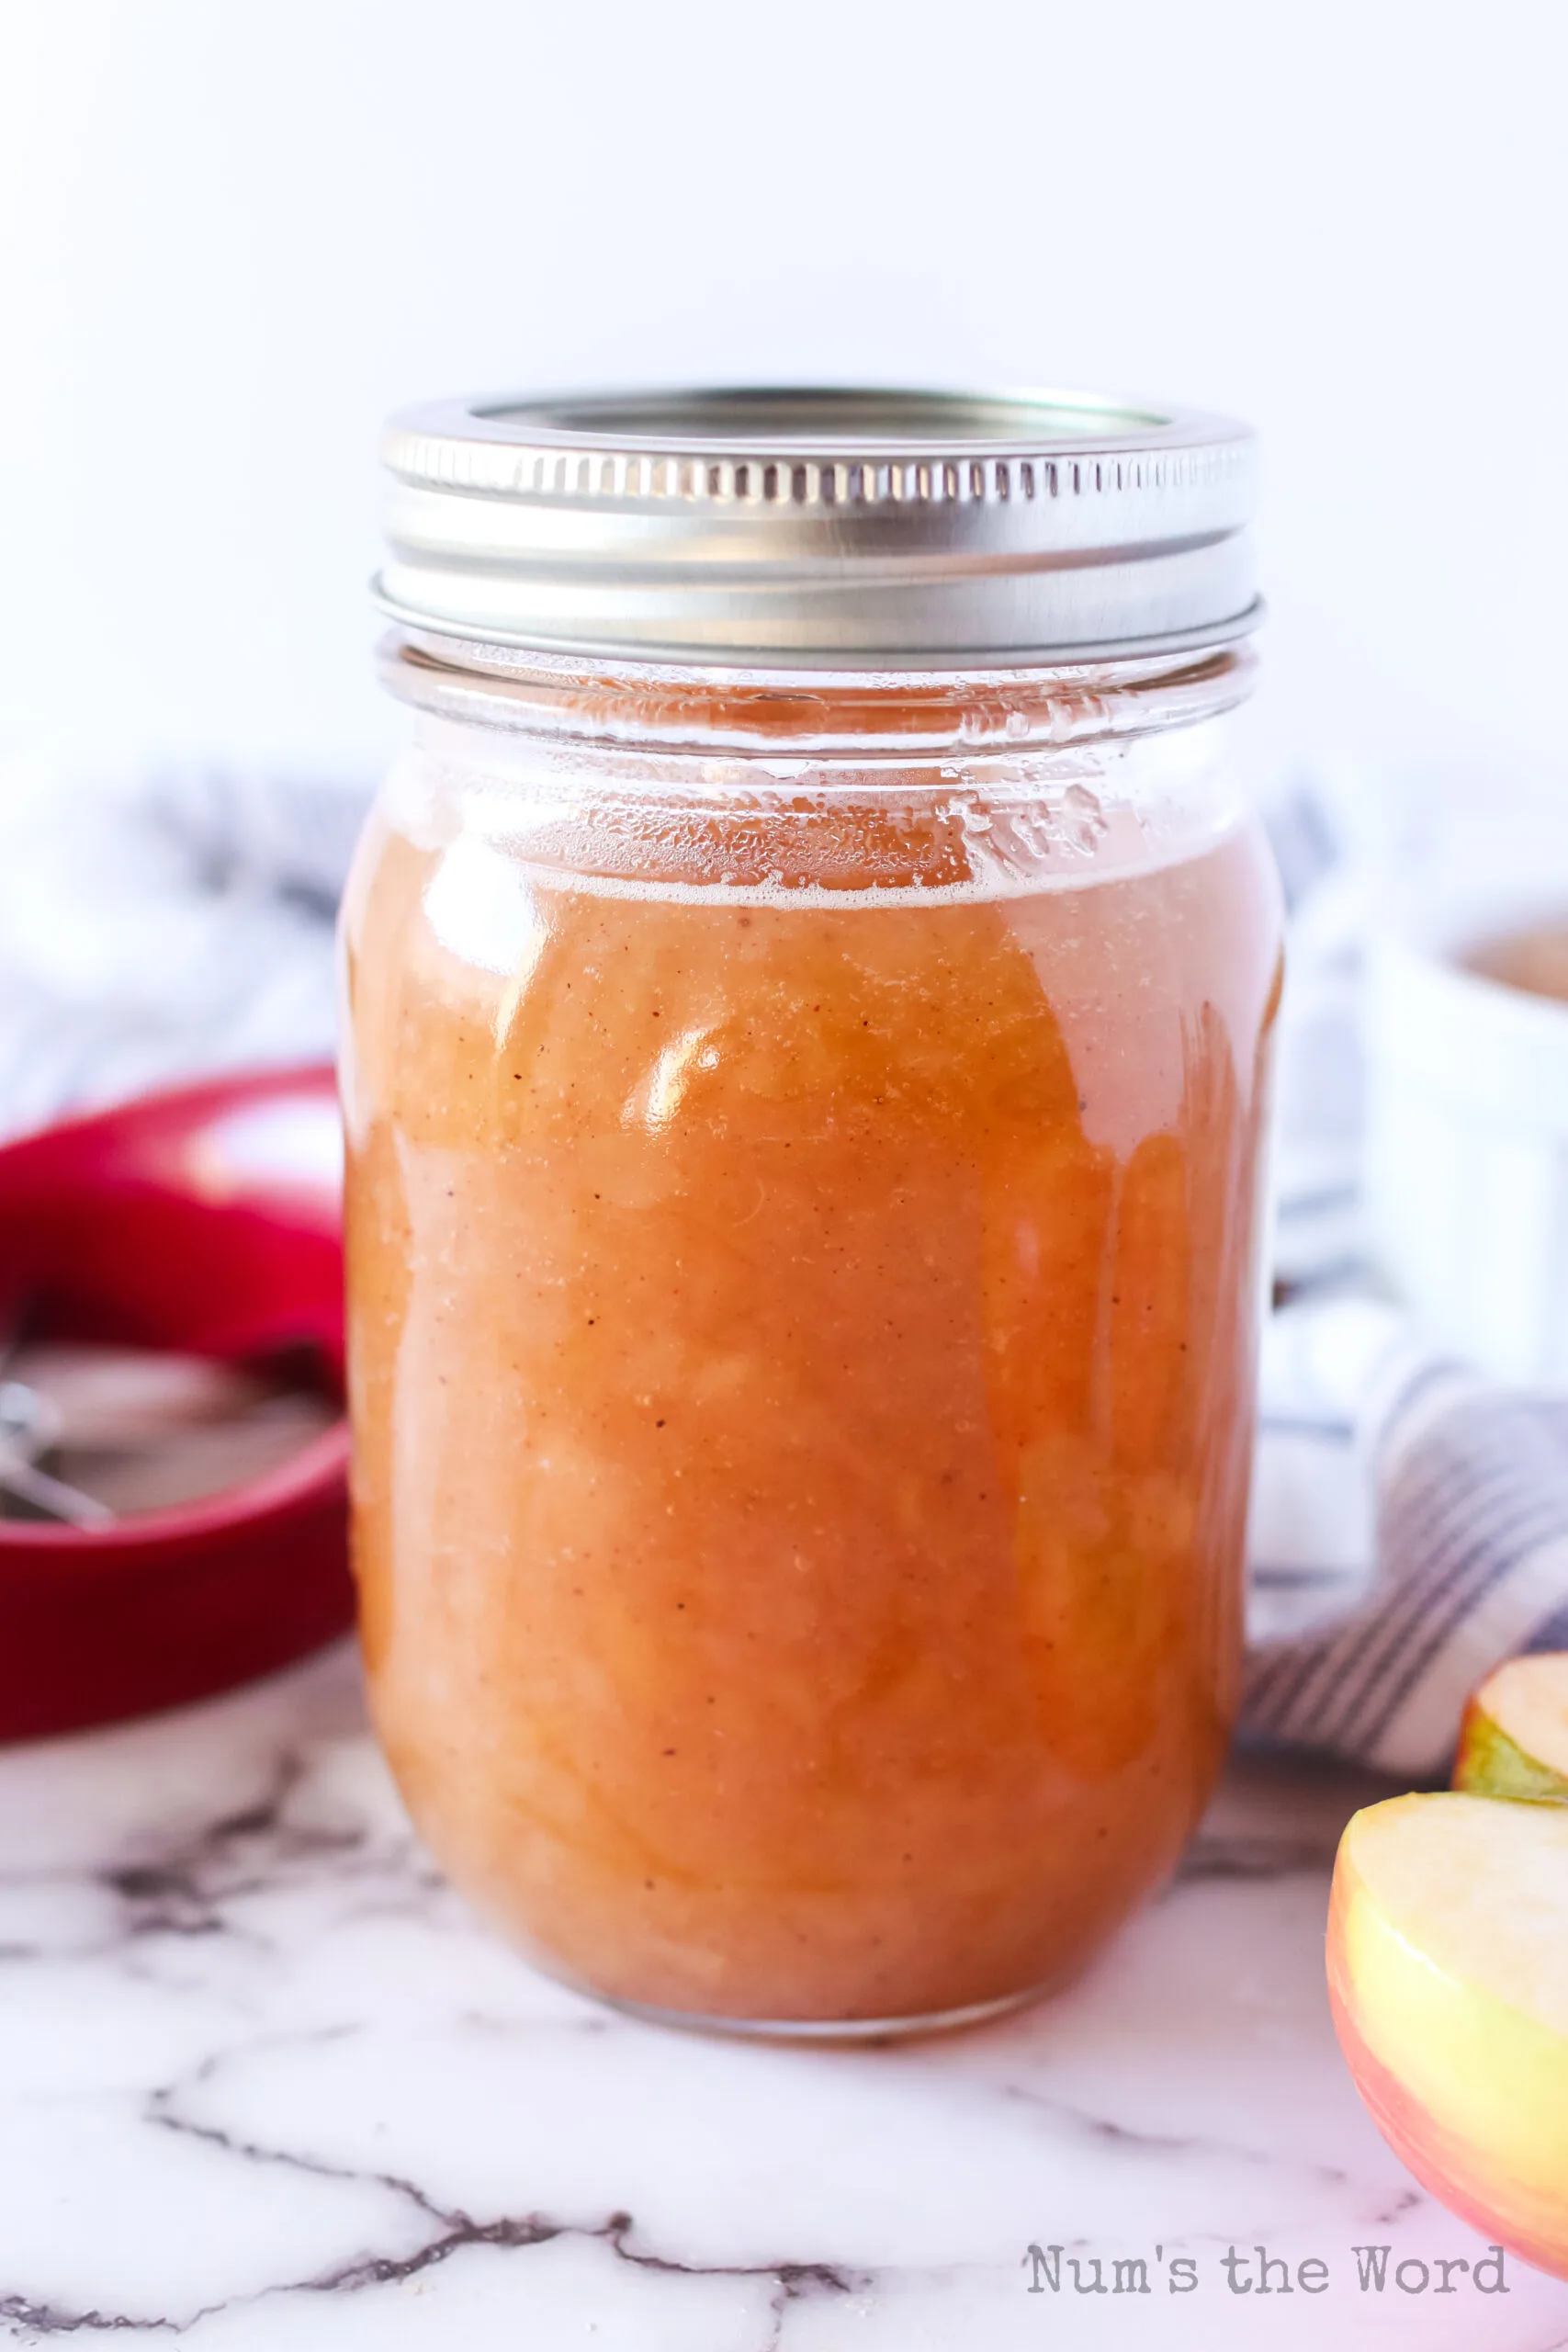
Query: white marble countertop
x=265, y=2083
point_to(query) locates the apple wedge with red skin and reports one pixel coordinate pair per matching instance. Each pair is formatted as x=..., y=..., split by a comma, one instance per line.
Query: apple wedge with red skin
x=1514, y=1739
x=1447, y=1974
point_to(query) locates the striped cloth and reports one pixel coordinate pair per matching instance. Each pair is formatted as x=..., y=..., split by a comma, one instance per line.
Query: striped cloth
x=1410, y=1522
x=1410, y=1526
x=1409, y=1530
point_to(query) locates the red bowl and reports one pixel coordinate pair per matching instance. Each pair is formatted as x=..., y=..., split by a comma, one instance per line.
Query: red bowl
x=206, y=1220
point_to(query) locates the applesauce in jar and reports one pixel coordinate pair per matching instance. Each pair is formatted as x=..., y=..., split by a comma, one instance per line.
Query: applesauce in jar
x=803, y=1155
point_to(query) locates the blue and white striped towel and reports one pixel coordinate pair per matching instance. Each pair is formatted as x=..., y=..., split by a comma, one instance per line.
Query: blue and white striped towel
x=1409, y=1530
x=1410, y=1522
x=1410, y=1525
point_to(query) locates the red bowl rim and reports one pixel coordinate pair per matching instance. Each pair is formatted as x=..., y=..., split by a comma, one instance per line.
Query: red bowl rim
x=237, y=1086
x=318, y=1467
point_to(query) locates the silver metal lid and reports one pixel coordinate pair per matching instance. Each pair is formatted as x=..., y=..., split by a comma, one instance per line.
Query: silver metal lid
x=821, y=528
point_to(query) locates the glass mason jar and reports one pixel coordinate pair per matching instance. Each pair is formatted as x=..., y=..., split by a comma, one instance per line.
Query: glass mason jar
x=809, y=988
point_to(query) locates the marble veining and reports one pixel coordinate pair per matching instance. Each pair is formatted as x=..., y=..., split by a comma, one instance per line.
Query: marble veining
x=263, y=2082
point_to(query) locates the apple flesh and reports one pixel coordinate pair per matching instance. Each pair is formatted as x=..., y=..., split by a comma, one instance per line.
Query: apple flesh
x=1514, y=1739
x=1447, y=1974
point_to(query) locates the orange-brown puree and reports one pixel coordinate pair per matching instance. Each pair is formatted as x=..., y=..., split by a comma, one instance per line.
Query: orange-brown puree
x=1535, y=960
x=801, y=1368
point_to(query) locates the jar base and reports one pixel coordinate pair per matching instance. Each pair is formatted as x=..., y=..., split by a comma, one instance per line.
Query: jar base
x=838, y=2029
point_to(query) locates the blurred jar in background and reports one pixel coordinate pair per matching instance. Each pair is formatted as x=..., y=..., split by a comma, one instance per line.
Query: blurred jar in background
x=1466, y=1026
x=810, y=982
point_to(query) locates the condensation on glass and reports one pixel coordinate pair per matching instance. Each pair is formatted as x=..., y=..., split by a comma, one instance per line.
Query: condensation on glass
x=803, y=1090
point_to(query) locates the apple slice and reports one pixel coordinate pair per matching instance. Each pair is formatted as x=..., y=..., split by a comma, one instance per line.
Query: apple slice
x=1447, y=1974
x=1514, y=1739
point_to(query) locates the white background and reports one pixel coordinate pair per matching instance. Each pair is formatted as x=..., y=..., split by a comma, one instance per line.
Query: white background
x=232, y=236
